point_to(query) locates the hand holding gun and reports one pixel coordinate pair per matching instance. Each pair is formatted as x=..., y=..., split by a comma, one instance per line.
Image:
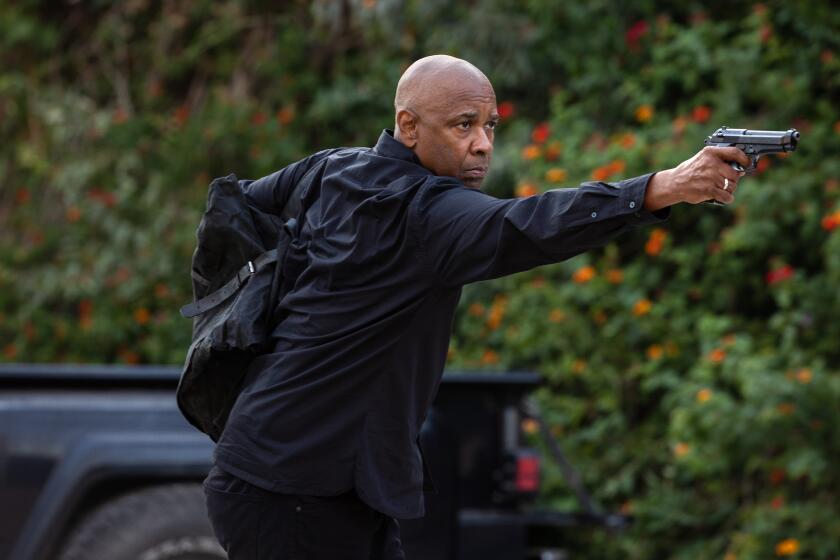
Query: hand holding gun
x=712, y=174
x=754, y=143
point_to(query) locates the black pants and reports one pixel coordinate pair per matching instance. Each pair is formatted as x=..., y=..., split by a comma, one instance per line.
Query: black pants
x=255, y=524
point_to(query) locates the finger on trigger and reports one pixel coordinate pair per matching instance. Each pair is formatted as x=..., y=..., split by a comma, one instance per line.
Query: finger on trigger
x=731, y=153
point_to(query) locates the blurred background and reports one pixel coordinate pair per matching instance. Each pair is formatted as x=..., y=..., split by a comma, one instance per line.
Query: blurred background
x=692, y=370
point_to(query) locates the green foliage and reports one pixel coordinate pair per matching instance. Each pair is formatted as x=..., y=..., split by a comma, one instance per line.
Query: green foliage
x=691, y=368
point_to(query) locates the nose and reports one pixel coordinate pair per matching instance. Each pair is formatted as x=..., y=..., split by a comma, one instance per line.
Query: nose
x=483, y=144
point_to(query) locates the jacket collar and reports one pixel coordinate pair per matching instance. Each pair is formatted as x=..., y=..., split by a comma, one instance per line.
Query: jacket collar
x=388, y=146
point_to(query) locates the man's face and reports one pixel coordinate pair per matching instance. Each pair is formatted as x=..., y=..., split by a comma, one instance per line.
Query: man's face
x=455, y=136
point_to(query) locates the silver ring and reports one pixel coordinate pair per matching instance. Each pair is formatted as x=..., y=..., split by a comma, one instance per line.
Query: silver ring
x=726, y=184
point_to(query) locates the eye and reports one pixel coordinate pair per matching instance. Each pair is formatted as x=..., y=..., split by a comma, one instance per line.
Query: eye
x=464, y=125
x=492, y=125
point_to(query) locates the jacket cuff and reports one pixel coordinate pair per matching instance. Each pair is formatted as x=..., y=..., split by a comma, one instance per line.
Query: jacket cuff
x=632, y=196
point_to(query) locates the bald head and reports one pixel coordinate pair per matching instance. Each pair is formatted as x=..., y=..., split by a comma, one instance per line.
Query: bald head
x=446, y=114
x=429, y=83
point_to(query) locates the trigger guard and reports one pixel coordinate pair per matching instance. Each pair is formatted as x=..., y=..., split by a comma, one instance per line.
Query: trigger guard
x=736, y=166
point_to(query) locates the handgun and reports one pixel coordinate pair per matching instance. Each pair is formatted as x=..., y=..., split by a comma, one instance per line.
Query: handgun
x=754, y=143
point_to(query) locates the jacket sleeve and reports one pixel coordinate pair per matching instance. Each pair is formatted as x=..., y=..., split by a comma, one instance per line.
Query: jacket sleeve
x=271, y=193
x=467, y=235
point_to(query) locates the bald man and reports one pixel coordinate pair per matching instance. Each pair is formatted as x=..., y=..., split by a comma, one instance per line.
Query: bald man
x=321, y=452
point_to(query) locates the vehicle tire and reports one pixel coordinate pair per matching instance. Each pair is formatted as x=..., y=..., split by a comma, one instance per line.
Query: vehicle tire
x=166, y=522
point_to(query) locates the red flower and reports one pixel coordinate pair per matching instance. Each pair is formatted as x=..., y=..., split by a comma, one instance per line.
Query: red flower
x=181, y=114
x=259, y=118
x=540, y=133
x=506, y=109
x=830, y=222
x=779, y=274
x=635, y=33
x=701, y=114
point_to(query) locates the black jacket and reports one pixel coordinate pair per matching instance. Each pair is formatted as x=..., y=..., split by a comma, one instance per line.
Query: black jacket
x=384, y=251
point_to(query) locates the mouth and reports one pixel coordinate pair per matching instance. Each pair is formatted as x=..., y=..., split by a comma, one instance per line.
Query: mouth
x=476, y=172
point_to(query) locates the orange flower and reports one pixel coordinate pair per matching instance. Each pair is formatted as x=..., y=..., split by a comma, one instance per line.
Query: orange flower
x=85, y=310
x=681, y=449
x=786, y=408
x=552, y=150
x=701, y=114
x=787, y=547
x=655, y=241
x=584, y=274
x=531, y=152
x=616, y=166
x=555, y=175
x=556, y=315
x=804, y=376
x=730, y=556
x=489, y=358
x=601, y=173
x=777, y=502
x=703, y=395
x=830, y=222
x=627, y=140
x=655, y=351
x=526, y=189
x=128, y=356
x=10, y=351
x=142, y=315
x=73, y=214
x=615, y=276
x=642, y=307
x=450, y=353
x=837, y=127
x=678, y=125
x=599, y=317
x=496, y=313
x=476, y=310
x=826, y=56
x=530, y=426
x=717, y=355
x=644, y=113
x=286, y=115
x=578, y=366
x=161, y=290
x=777, y=476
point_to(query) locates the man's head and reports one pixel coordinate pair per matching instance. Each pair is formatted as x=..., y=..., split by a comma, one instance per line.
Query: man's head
x=446, y=112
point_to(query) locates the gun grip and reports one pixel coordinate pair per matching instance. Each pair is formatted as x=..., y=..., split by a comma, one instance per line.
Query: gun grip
x=713, y=202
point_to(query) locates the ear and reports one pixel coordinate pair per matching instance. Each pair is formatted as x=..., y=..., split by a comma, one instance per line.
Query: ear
x=407, y=127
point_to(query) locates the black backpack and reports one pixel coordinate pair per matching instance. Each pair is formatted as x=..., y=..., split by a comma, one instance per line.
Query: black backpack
x=237, y=279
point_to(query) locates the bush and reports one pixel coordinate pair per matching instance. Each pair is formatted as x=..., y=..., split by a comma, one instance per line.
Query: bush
x=691, y=367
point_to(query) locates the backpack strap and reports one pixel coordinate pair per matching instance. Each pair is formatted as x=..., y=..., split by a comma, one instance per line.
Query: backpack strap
x=289, y=212
x=243, y=275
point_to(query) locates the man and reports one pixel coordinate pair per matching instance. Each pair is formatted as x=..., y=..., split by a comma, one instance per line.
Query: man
x=321, y=452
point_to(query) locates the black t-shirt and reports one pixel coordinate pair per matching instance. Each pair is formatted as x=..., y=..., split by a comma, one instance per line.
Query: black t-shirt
x=360, y=350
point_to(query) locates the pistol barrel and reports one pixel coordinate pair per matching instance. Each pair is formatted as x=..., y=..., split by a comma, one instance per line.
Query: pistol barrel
x=786, y=139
